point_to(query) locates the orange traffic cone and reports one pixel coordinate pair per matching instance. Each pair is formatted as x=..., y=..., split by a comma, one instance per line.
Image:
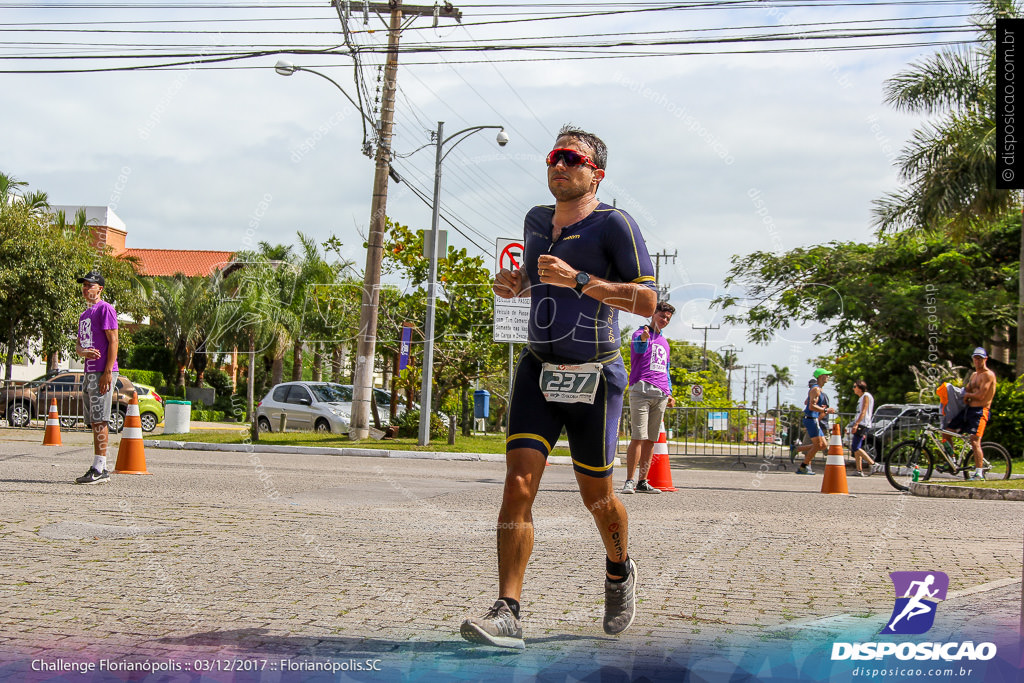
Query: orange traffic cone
x=835, y=465
x=51, y=437
x=660, y=476
x=131, y=455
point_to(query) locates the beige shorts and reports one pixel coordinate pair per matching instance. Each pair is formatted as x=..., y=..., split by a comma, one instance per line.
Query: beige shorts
x=646, y=411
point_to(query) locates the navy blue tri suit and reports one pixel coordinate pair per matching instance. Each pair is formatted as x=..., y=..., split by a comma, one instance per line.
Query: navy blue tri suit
x=571, y=328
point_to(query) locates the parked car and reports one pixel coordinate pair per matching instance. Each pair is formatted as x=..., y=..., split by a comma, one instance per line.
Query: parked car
x=151, y=406
x=891, y=420
x=320, y=406
x=20, y=403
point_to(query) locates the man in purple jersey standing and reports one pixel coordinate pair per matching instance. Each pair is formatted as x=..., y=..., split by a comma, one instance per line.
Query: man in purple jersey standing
x=97, y=344
x=650, y=393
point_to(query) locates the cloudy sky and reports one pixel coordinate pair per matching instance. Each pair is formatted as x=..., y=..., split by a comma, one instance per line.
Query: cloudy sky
x=714, y=153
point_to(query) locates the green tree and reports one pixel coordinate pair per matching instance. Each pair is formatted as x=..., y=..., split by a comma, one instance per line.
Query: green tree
x=883, y=307
x=464, y=313
x=950, y=166
x=39, y=298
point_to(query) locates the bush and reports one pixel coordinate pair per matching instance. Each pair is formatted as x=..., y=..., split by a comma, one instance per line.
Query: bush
x=219, y=380
x=150, y=377
x=153, y=357
x=408, y=424
x=208, y=415
x=1006, y=422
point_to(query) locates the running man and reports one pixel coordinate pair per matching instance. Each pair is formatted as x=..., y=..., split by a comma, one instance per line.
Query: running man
x=583, y=262
x=915, y=606
x=815, y=409
x=97, y=344
x=978, y=395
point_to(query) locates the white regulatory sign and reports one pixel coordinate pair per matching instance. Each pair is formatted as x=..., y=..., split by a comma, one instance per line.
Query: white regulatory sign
x=697, y=392
x=511, y=316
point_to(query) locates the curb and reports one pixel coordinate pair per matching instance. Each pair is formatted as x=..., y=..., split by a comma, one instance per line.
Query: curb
x=322, y=450
x=361, y=452
x=964, y=492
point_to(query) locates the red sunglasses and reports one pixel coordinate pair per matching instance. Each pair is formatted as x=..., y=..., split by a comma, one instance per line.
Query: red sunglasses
x=569, y=157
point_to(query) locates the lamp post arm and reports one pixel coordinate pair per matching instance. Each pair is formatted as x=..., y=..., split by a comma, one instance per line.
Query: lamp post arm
x=333, y=82
x=465, y=133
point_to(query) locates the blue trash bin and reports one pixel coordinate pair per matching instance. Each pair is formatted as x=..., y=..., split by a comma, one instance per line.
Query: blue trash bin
x=481, y=404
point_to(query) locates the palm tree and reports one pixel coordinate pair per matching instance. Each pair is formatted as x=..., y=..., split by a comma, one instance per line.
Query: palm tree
x=780, y=377
x=950, y=165
x=730, y=362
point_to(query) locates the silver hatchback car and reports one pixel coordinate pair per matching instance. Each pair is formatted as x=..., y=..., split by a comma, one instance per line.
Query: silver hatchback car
x=319, y=406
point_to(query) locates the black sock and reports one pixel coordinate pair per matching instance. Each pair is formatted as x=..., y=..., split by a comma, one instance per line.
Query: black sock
x=512, y=605
x=617, y=569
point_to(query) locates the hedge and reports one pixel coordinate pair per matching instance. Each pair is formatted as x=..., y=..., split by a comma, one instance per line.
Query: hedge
x=151, y=377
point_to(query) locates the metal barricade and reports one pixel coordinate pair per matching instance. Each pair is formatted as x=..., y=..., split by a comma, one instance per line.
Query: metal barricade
x=26, y=405
x=713, y=432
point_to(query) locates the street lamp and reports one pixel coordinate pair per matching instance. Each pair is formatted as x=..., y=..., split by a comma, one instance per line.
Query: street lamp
x=428, y=329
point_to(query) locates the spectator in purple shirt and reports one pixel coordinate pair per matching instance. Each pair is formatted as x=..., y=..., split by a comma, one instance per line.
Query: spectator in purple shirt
x=97, y=344
x=650, y=393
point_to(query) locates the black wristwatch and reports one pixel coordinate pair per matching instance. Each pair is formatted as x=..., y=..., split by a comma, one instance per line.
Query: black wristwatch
x=581, y=281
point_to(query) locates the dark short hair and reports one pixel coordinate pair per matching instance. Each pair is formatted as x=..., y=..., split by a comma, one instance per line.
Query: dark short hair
x=664, y=306
x=590, y=140
x=861, y=384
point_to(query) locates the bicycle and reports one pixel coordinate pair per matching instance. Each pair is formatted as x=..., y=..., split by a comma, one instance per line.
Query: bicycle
x=921, y=452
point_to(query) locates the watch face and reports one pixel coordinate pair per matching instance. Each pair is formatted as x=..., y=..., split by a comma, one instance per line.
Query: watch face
x=582, y=278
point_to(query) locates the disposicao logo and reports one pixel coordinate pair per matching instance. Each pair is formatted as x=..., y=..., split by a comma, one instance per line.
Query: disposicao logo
x=917, y=594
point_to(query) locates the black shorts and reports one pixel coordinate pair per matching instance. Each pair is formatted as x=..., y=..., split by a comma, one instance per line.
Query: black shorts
x=593, y=429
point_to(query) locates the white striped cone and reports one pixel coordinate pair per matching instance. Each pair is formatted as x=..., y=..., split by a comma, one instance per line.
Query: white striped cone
x=51, y=436
x=834, y=480
x=660, y=474
x=131, y=454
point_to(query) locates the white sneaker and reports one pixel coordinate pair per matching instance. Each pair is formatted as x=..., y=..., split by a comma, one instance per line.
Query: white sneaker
x=629, y=487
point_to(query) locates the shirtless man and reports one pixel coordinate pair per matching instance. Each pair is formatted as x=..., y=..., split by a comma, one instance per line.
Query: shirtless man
x=978, y=394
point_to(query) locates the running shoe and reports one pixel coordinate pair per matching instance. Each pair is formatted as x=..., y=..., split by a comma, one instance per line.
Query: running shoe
x=804, y=469
x=620, y=602
x=497, y=627
x=643, y=486
x=977, y=476
x=629, y=487
x=94, y=476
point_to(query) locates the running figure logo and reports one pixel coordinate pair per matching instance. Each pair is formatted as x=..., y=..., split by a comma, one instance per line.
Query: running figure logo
x=916, y=596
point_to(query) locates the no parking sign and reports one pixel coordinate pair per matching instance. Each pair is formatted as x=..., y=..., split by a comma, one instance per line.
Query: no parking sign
x=697, y=392
x=511, y=316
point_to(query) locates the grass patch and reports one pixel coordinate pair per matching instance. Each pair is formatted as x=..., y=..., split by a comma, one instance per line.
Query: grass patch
x=490, y=443
x=987, y=484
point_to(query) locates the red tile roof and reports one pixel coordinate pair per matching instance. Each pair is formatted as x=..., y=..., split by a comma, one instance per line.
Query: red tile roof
x=189, y=262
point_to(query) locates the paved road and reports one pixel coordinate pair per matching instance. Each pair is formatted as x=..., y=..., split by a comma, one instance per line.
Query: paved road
x=321, y=558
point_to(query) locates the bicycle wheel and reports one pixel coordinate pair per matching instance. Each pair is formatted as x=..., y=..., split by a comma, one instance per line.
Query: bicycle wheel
x=900, y=461
x=997, y=462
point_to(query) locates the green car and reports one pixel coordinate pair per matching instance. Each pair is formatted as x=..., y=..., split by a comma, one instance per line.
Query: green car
x=151, y=406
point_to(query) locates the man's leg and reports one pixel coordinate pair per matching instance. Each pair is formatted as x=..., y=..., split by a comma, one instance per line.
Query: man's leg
x=500, y=625
x=524, y=468
x=609, y=514
x=979, y=458
x=646, y=455
x=620, y=571
x=632, y=458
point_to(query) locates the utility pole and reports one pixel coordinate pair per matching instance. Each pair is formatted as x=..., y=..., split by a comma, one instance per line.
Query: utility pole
x=705, y=328
x=366, y=347
x=729, y=348
x=663, y=294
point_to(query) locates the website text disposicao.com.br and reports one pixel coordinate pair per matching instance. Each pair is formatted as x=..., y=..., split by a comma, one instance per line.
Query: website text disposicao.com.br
x=911, y=672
